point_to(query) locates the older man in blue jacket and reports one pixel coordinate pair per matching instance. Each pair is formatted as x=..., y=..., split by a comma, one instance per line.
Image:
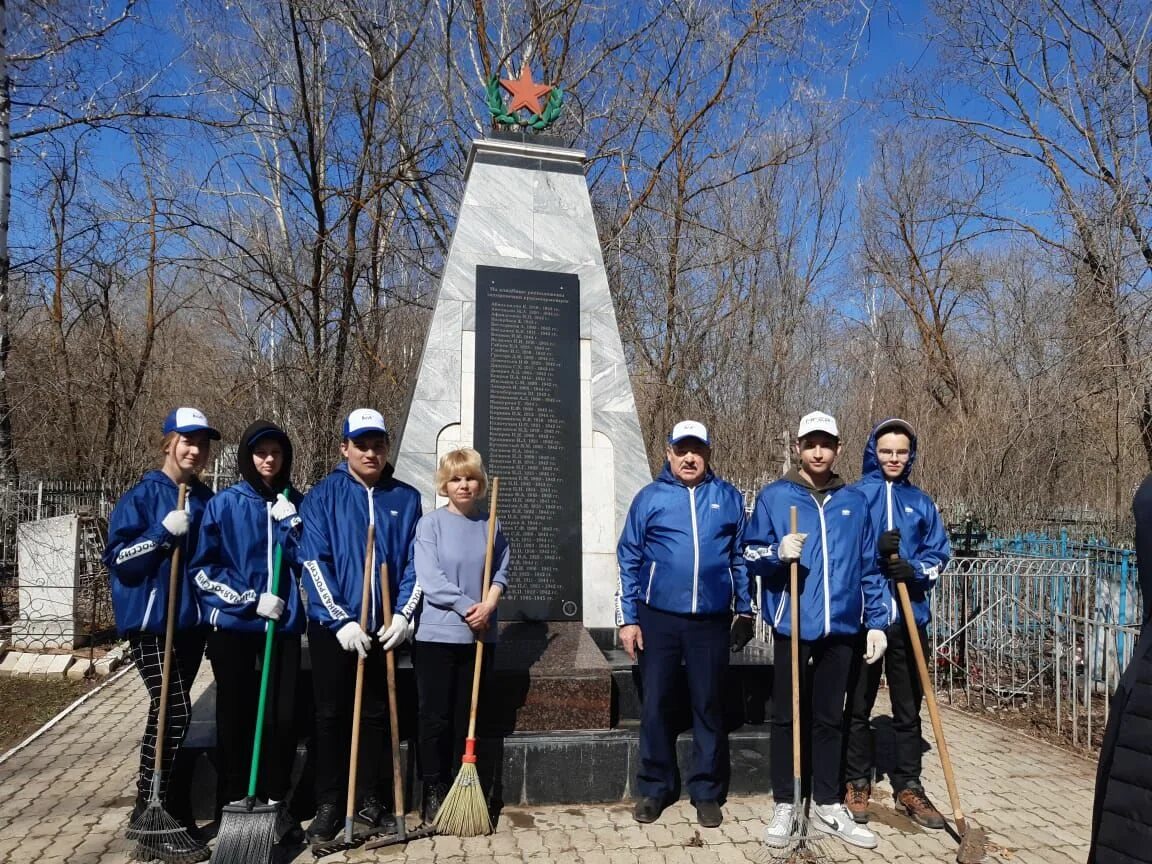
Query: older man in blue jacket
x=912, y=546
x=681, y=578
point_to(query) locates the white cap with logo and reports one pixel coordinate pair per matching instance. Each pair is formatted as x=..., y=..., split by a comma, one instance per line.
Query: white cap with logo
x=689, y=429
x=364, y=421
x=818, y=421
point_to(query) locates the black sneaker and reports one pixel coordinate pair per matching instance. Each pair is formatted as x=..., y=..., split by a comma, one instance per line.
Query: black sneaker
x=326, y=824
x=288, y=830
x=708, y=814
x=434, y=794
x=179, y=849
x=647, y=810
x=376, y=814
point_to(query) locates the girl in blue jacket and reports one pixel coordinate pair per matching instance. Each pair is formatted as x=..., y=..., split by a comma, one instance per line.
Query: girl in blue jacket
x=145, y=528
x=242, y=529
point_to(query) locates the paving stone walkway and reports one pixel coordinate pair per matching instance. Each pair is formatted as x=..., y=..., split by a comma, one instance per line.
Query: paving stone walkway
x=65, y=800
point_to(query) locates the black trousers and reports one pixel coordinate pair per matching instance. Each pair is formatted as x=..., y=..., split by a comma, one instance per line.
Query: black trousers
x=906, y=694
x=237, y=658
x=334, y=687
x=823, y=686
x=148, y=656
x=700, y=643
x=444, y=693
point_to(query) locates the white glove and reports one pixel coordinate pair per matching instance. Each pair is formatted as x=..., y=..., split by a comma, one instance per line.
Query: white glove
x=269, y=606
x=352, y=638
x=394, y=633
x=791, y=545
x=877, y=645
x=283, y=509
x=176, y=523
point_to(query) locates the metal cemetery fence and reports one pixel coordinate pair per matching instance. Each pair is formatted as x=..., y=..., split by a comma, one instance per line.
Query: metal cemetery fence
x=1034, y=641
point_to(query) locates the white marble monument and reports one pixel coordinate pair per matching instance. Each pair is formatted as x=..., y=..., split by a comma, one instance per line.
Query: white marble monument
x=526, y=207
x=48, y=561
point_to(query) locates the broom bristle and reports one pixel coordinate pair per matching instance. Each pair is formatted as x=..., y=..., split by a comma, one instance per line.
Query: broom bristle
x=247, y=834
x=464, y=812
x=155, y=827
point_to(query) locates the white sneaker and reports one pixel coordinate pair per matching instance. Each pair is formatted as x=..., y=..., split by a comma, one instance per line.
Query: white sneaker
x=779, y=831
x=835, y=819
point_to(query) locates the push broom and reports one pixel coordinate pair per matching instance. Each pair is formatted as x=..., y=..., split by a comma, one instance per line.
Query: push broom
x=803, y=845
x=402, y=834
x=155, y=826
x=350, y=841
x=248, y=827
x=464, y=812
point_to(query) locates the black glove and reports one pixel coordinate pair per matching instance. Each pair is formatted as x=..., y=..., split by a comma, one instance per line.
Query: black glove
x=743, y=626
x=889, y=543
x=897, y=569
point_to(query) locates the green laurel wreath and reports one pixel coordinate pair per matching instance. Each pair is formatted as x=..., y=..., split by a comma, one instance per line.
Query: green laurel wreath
x=499, y=109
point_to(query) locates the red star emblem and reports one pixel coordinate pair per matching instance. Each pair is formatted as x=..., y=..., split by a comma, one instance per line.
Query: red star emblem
x=525, y=92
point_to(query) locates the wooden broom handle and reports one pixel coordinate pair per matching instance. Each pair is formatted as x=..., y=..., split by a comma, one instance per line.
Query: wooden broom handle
x=358, y=701
x=930, y=698
x=169, y=638
x=794, y=612
x=488, y=555
x=393, y=711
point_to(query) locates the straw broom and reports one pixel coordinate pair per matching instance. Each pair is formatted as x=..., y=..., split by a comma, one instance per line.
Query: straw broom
x=155, y=828
x=464, y=812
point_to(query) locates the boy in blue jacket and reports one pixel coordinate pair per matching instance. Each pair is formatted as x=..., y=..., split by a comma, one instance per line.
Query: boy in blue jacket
x=682, y=577
x=233, y=571
x=840, y=586
x=913, y=549
x=359, y=492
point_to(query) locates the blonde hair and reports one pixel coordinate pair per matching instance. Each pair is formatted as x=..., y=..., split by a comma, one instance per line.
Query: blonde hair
x=464, y=462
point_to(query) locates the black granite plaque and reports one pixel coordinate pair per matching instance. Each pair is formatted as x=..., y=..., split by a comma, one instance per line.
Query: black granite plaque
x=528, y=431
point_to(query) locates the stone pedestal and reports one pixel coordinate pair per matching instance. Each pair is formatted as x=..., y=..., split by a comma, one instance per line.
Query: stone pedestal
x=549, y=676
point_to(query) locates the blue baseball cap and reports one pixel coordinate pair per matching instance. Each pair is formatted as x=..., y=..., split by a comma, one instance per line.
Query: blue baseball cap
x=364, y=421
x=689, y=429
x=189, y=420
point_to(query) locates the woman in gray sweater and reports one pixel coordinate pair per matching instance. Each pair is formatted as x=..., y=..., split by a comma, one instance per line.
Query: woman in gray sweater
x=451, y=543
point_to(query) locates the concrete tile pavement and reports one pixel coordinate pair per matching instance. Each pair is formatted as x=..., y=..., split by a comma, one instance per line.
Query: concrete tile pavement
x=65, y=800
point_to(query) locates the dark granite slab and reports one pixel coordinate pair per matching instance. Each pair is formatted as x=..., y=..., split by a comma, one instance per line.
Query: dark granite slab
x=549, y=676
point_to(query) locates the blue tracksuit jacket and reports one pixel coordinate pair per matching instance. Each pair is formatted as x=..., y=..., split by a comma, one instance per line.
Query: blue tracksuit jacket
x=923, y=540
x=840, y=583
x=235, y=557
x=336, y=514
x=680, y=550
x=139, y=554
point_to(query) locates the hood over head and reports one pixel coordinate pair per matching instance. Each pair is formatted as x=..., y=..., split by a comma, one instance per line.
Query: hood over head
x=871, y=466
x=246, y=467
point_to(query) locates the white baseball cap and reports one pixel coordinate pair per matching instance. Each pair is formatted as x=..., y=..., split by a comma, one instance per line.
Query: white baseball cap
x=188, y=420
x=818, y=421
x=364, y=421
x=689, y=429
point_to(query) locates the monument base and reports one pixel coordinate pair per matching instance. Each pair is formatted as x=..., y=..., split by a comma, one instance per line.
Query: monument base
x=549, y=676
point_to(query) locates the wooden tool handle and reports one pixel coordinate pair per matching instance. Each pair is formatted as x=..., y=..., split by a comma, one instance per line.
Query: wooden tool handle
x=393, y=709
x=358, y=701
x=794, y=612
x=169, y=638
x=930, y=698
x=488, y=555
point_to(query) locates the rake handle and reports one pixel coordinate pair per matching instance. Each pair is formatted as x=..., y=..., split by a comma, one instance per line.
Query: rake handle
x=358, y=701
x=169, y=638
x=933, y=709
x=794, y=619
x=470, y=741
x=393, y=709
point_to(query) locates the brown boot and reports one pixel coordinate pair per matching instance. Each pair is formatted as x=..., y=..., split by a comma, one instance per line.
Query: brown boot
x=915, y=804
x=856, y=800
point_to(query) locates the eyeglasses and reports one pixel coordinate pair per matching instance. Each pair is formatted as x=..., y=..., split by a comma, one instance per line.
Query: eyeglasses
x=893, y=454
